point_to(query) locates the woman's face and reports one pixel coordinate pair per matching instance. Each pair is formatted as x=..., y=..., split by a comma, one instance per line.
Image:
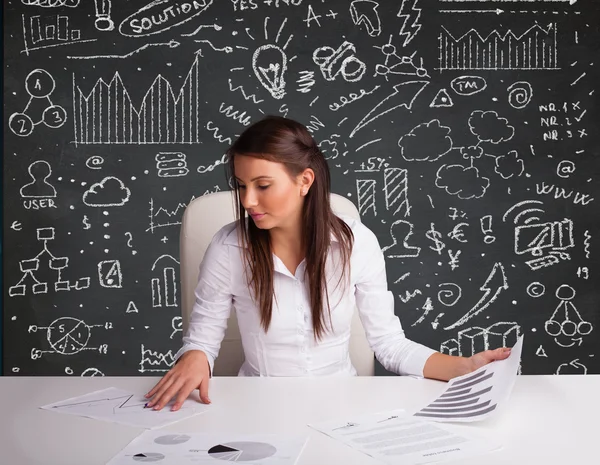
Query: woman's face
x=270, y=196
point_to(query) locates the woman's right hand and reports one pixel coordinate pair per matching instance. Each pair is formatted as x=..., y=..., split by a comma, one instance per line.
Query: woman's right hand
x=191, y=372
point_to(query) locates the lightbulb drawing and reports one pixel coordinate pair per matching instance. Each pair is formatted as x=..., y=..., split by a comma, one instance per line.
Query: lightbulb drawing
x=269, y=63
x=103, y=20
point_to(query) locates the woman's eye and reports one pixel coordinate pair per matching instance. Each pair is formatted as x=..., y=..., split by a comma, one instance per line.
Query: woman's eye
x=241, y=187
x=263, y=187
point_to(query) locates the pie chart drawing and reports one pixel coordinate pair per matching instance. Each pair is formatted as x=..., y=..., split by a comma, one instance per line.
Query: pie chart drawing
x=172, y=439
x=242, y=451
x=148, y=457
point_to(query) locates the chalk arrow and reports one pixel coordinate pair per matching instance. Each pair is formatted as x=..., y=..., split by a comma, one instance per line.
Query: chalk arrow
x=365, y=11
x=492, y=287
x=497, y=11
x=404, y=95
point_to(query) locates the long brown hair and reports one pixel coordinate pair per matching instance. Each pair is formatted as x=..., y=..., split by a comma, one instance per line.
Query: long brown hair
x=288, y=142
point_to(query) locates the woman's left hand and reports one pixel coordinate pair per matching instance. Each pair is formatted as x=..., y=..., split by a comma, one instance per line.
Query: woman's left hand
x=483, y=358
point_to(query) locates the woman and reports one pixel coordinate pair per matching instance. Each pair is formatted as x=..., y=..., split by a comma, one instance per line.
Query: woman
x=268, y=265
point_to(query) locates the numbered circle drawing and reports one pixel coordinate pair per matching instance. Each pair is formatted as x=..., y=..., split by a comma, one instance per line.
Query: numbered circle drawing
x=172, y=439
x=92, y=372
x=21, y=124
x=68, y=335
x=39, y=83
x=148, y=457
x=54, y=116
x=242, y=451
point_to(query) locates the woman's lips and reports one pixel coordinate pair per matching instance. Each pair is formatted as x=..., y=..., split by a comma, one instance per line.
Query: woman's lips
x=257, y=216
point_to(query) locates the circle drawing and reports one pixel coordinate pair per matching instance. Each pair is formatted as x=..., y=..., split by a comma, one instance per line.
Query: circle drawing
x=171, y=439
x=536, y=289
x=242, y=451
x=68, y=335
x=148, y=457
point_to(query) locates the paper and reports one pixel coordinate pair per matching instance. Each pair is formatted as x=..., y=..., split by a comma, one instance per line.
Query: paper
x=195, y=448
x=397, y=438
x=477, y=395
x=125, y=407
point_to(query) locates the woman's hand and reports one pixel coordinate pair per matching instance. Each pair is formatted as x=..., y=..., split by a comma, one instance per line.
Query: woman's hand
x=483, y=358
x=190, y=372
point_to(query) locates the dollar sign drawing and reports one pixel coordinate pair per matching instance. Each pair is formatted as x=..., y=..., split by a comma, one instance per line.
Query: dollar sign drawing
x=86, y=222
x=435, y=236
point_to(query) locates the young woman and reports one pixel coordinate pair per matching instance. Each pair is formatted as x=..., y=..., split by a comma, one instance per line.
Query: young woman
x=294, y=271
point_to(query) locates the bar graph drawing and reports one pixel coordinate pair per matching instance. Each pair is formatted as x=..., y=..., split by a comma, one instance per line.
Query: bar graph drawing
x=535, y=49
x=106, y=115
x=41, y=32
x=164, y=287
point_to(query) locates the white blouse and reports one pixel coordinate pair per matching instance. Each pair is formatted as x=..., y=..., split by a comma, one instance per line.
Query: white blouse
x=288, y=348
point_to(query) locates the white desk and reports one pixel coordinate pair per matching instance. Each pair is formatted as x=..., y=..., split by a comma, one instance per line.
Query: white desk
x=551, y=419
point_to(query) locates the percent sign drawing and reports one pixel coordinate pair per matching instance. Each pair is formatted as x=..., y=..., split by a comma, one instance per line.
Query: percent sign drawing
x=39, y=85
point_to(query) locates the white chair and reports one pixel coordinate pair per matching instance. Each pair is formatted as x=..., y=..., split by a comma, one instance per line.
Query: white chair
x=203, y=217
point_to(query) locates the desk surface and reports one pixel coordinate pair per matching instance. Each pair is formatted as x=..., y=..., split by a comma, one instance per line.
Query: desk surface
x=549, y=419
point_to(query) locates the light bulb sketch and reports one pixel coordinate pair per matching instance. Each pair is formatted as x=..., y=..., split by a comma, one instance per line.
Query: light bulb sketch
x=270, y=64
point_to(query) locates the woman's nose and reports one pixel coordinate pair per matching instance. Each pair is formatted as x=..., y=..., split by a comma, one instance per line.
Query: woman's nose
x=249, y=198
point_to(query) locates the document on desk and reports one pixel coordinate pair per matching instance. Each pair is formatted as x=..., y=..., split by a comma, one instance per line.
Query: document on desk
x=398, y=438
x=125, y=407
x=210, y=448
x=477, y=395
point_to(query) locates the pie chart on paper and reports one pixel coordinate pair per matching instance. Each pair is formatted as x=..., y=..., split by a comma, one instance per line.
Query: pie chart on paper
x=242, y=451
x=148, y=457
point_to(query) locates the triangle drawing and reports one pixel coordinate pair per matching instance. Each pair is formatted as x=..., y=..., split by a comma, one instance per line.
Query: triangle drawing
x=442, y=99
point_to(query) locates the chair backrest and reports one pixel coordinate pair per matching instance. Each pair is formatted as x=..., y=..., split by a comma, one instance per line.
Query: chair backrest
x=202, y=218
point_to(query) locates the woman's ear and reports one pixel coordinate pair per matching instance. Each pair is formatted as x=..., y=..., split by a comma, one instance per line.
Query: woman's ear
x=306, y=179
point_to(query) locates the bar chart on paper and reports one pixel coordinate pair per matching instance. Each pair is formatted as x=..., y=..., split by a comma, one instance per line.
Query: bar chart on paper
x=476, y=395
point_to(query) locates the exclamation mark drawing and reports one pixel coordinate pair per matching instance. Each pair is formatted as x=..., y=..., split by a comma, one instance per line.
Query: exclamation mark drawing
x=486, y=228
x=103, y=20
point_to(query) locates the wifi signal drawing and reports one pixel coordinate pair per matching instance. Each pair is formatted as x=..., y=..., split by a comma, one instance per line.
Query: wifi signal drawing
x=525, y=211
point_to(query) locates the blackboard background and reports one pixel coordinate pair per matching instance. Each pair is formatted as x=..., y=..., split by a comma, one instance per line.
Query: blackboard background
x=90, y=331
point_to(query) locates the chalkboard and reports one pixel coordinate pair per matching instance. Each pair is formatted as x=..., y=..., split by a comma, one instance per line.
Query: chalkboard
x=464, y=131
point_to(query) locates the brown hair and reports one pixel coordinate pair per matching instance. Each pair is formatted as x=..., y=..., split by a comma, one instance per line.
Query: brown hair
x=288, y=142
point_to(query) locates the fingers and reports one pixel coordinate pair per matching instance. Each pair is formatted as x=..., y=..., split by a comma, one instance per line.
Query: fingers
x=166, y=384
x=204, y=391
x=183, y=394
x=158, y=385
x=163, y=399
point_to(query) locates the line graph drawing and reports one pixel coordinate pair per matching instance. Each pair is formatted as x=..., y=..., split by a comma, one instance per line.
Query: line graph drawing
x=171, y=44
x=106, y=115
x=155, y=361
x=534, y=49
x=42, y=32
x=29, y=267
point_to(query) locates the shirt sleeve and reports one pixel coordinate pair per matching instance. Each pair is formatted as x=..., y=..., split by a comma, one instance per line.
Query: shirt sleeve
x=211, y=310
x=375, y=304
